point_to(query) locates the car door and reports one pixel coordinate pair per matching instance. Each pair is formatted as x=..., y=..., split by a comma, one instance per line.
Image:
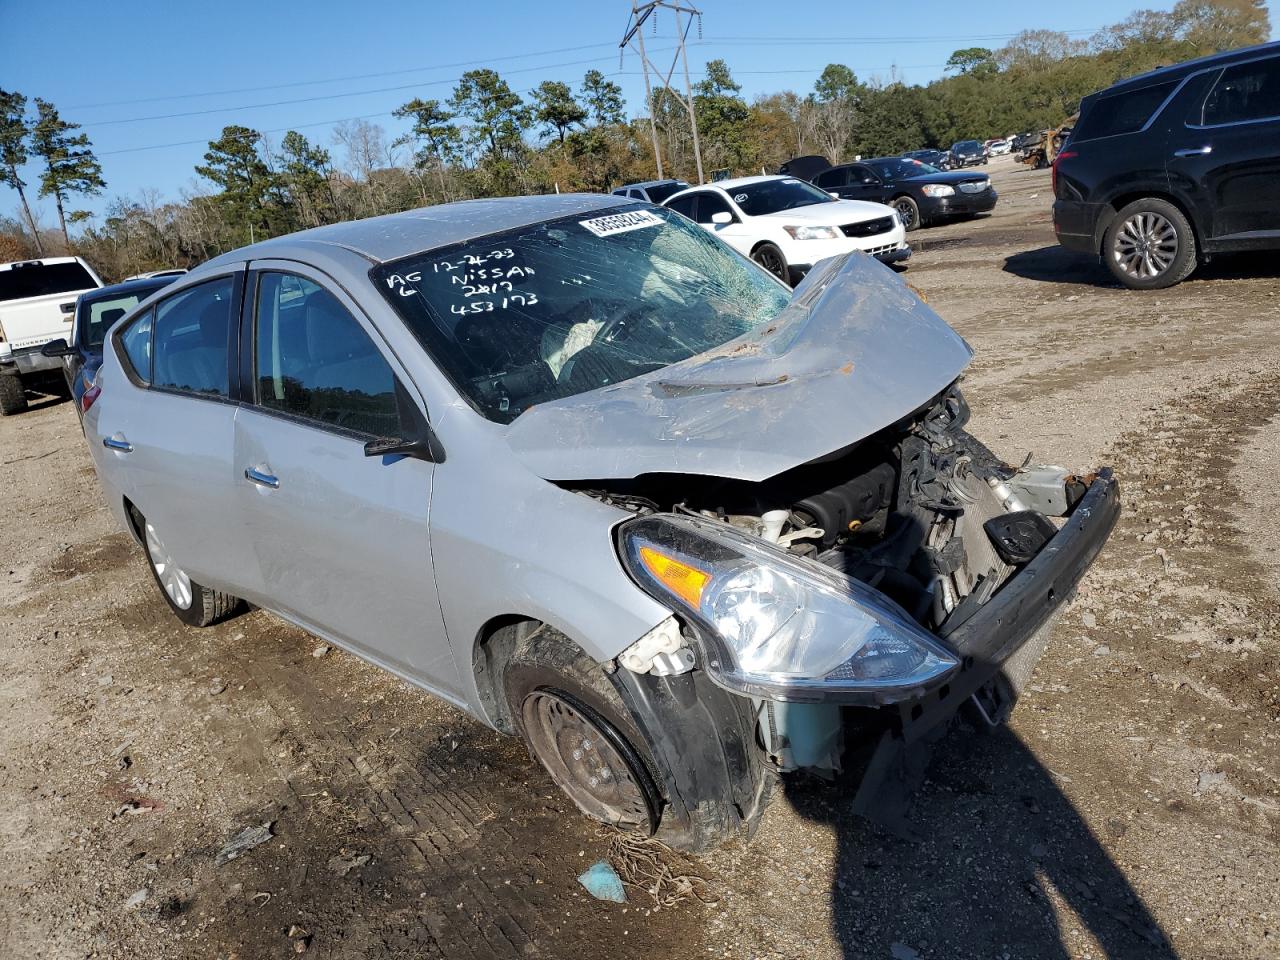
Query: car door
x=1228, y=152
x=737, y=232
x=863, y=184
x=341, y=539
x=172, y=428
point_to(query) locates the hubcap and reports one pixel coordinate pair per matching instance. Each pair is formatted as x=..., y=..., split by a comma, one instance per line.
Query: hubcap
x=587, y=762
x=1146, y=245
x=906, y=213
x=176, y=583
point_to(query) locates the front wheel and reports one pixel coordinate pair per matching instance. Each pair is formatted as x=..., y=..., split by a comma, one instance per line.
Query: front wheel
x=908, y=212
x=577, y=727
x=1150, y=245
x=771, y=258
x=192, y=603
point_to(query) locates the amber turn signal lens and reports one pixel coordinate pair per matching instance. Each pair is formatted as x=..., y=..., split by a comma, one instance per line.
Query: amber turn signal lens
x=684, y=581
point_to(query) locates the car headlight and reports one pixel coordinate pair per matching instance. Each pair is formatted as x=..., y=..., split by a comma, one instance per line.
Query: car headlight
x=802, y=232
x=939, y=190
x=778, y=627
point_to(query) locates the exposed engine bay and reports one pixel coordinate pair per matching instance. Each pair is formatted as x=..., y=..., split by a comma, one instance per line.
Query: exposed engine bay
x=921, y=511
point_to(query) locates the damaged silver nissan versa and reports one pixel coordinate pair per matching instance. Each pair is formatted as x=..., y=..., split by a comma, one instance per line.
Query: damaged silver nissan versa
x=576, y=466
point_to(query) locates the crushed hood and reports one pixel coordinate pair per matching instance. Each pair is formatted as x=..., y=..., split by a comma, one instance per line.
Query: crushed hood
x=853, y=352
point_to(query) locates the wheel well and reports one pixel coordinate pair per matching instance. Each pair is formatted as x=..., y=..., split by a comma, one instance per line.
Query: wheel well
x=762, y=243
x=496, y=644
x=131, y=514
x=1119, y=203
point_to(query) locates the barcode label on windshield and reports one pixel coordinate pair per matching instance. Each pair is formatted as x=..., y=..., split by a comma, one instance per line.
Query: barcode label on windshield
x=622, y=222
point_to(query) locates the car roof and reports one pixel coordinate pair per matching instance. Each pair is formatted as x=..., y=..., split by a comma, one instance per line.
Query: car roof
x=396, y=235
x=1177, y=70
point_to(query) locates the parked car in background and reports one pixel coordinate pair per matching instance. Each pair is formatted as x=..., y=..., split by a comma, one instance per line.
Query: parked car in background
x=37, y=300
x=654, y=191
x=574, y=465
x=940, y=159
x=967, y=153
x=1167, y=169
x=96, y=311
x=998, y=148
x=921, y=194
x=787, y=225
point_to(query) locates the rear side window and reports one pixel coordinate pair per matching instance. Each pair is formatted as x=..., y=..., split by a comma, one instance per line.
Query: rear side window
x=314, y=360
x=36, y=279
x=1122, y=112
x=1247, y=91
x=191, y=333
x=135, y=341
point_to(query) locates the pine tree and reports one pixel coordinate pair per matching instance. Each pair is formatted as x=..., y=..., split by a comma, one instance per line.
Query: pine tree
x=234, y=163
x=70, y=166
x=13, y=152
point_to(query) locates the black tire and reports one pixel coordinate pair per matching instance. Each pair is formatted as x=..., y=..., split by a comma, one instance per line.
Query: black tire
x=908, y=212
x=13, y=396
x=205, y=606
x=549, y=680
x=770, y=257
x=1146, y=235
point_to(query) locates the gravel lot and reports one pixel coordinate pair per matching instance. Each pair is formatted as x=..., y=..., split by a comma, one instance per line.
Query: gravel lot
x=1132, y=808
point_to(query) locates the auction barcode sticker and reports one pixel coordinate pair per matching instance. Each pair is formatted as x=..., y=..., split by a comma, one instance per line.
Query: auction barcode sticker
x=622, y=222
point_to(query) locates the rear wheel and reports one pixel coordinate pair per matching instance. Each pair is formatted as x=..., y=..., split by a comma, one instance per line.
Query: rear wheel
x=1150, y=245
x=580, y=731
x=192, y=603
x=908, y=212
x=13, y=397
x=771, y=258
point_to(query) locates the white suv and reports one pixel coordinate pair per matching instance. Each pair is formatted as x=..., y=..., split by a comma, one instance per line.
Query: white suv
x=37, y=304
x=787, y=225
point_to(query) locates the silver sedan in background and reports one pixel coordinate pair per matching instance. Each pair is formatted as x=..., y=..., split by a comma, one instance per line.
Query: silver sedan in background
x=576, y=466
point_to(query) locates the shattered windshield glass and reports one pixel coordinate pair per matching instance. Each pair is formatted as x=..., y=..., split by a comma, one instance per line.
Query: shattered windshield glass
x=565, y=306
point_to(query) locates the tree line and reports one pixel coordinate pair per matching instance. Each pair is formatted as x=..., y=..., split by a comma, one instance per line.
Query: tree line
x=488, y=140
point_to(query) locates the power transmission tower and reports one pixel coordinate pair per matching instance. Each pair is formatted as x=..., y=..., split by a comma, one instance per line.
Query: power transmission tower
x=634, y=36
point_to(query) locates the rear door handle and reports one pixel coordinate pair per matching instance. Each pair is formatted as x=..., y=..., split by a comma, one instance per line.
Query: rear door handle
x=1193, y=151
x=262, y=479
x=117, y=443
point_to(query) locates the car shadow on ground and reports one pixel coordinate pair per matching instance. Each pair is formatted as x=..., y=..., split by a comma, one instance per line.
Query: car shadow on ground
x=1056, y=264
x=993, y=860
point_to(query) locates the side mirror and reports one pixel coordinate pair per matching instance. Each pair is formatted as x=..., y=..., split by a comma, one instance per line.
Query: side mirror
x=57, y=348
x=833, y=195
x=722, y=218
x=419, y=441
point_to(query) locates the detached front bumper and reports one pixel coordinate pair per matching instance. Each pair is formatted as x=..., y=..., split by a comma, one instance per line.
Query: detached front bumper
x=1021, y=610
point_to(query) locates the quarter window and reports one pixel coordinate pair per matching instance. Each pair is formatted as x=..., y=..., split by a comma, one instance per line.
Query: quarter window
x=1248, y=91
x=136, y=343
x=313, y=360
x=191, y=333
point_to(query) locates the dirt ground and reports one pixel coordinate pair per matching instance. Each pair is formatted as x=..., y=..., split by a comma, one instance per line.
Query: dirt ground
x=1131, y=809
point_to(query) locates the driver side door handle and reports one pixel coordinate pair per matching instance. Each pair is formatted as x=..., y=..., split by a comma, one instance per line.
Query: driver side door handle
x=1193, y=151
x=261, y=478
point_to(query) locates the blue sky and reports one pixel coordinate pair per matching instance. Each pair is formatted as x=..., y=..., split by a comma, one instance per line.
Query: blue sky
x=152, y=82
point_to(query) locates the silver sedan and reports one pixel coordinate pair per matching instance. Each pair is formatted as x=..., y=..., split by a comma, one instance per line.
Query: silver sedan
x=576, y=466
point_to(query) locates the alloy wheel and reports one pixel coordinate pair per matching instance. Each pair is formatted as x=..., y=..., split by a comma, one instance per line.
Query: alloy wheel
x=771, y=260
x=174, y=581
x=588, y=760
x=906, y=213
x=1146, y=245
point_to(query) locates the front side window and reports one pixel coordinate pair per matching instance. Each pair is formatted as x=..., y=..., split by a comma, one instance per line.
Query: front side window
x=191, y=333
x=312, y=359
x=898, y=169
x=135, y=341
x=685, y=205
x=710, y=203
x=770, y=196
x=570, y=305
x=1247, y=91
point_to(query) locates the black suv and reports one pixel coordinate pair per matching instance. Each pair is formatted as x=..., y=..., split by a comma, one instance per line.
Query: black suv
x=1166, y=169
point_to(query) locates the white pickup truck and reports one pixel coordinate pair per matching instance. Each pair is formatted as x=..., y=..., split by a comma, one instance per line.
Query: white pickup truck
x=37, y=304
